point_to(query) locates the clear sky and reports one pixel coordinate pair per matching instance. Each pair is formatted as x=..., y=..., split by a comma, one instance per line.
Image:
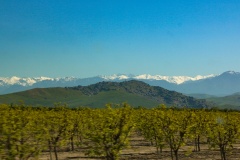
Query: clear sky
x=84, y=38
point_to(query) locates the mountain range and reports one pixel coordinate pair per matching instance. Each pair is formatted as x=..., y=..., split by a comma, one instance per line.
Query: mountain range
x=136, y=93
x=217, y=85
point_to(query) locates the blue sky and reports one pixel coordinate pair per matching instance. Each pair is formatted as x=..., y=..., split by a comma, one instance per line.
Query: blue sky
x=85, y=38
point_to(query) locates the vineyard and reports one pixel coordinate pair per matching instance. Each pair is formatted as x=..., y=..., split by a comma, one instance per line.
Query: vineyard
x=118, y=132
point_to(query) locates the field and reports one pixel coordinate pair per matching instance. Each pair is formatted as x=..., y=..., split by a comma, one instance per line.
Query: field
x=118, y=132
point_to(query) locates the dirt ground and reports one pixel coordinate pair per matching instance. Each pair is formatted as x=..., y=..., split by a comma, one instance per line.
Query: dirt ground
x=142, y=150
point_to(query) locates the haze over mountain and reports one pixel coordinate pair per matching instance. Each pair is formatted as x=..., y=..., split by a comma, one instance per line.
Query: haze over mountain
x=223, y=84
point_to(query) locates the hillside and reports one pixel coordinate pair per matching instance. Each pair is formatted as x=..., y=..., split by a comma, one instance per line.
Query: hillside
x=201, y=96
x=230, y=101
x=97, y=95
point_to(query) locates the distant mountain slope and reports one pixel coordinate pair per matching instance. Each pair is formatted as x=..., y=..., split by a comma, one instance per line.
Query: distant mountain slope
x=97, y=95
x=225, y=84
x=217, y=85
x=201, y=96
x=16, y=84
x=231, y=101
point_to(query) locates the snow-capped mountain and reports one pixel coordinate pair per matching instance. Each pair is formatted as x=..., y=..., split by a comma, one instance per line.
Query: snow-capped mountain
x=170, y=79
x=22, y=81
x=225, y=83
x=31, y=81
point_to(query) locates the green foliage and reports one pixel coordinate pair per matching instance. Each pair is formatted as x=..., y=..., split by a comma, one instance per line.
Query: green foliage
x=58, y=126
x=150, y=125
x=26, y=131
x=22, y=136
x=109, y=134
x=223, y=131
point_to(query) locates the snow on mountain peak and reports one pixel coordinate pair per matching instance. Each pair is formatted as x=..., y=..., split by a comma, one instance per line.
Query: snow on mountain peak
x=43, y=78
x=31, y=81
x=172, y=79
x=115, y=76
x=231, y=72
x=14, y=79
x=11, y=80
x=21, y=81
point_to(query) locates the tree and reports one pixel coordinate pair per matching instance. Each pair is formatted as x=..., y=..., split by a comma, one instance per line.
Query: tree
x=150, y=126
x=21, y=138
x=59, y=126
x=176, y=126
x=223, y=131
x=109, y=130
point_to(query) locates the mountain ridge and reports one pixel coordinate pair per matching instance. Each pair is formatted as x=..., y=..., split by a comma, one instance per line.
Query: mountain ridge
x=136, y=93
x=28, y=81
x=217, y=85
